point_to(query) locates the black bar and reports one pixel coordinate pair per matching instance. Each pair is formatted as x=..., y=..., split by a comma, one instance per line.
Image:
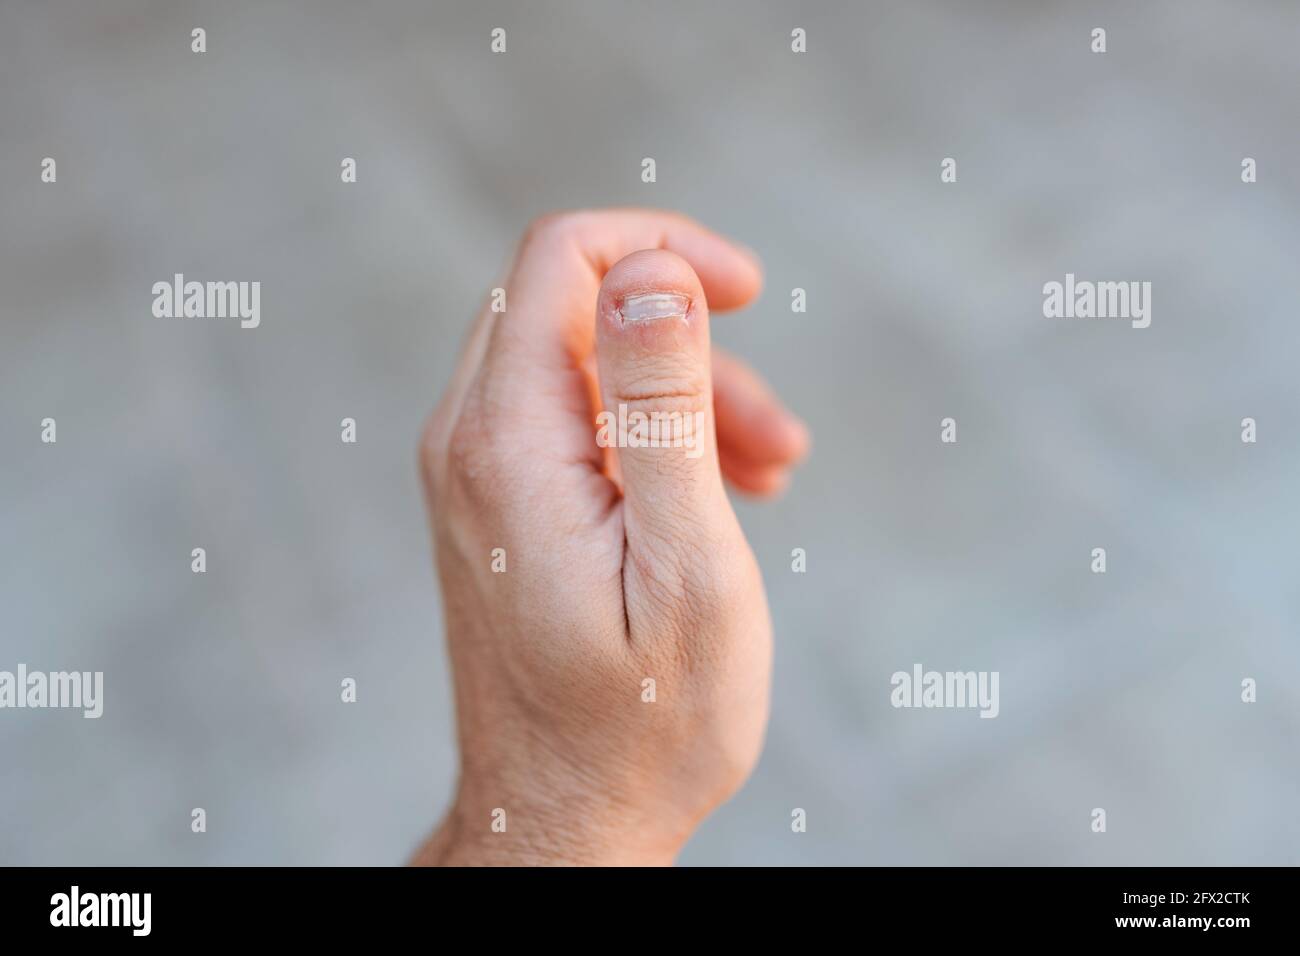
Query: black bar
x=437, y=907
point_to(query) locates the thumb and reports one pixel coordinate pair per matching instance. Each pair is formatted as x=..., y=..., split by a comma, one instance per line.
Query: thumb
x=652, y=351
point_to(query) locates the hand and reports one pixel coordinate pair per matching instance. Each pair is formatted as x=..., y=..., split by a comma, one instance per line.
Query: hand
x=617, y=566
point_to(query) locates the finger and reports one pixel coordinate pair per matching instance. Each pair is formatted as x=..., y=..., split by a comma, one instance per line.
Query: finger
x=467, y=367
x=731, y=275
x=753, y=425
x=652, y=350
x=562, y=261
x=436, y=435
x=761, y=481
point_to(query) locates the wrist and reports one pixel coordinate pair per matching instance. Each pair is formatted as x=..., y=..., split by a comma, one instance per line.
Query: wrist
x=581, y=830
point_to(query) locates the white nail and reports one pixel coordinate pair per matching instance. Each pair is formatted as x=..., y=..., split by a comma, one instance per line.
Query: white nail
x=653, y=305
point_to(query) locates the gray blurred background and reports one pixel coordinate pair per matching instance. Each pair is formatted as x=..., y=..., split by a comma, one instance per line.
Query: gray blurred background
x=1119, y=691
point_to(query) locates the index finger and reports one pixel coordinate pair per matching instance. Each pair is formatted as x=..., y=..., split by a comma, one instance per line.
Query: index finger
x=563, y=258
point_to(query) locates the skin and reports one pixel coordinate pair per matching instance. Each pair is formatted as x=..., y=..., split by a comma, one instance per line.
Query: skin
x=622, y=564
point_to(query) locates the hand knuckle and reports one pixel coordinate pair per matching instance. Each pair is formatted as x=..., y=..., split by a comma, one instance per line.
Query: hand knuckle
x=551, y=226
x=477, y=457
x=466, y=451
